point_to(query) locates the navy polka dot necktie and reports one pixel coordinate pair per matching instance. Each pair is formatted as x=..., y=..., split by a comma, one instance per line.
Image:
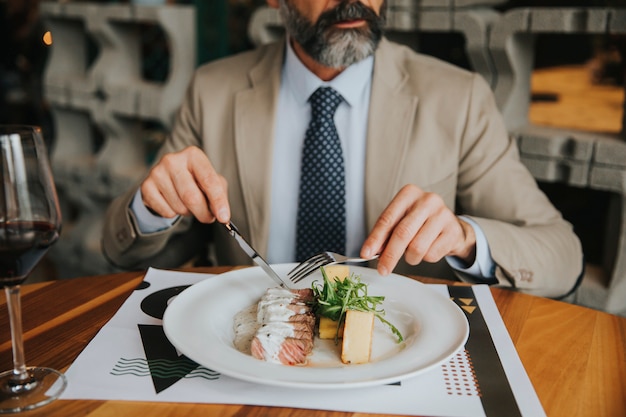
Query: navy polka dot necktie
x=322, y=201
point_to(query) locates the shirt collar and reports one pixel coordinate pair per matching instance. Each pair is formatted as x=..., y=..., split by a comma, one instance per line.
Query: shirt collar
x=350, y=83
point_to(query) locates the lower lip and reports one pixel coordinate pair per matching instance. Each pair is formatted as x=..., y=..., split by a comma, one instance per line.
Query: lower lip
x=350, y=24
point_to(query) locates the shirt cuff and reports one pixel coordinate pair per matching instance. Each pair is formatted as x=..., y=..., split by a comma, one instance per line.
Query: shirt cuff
x=483, y=267
x=147, y=222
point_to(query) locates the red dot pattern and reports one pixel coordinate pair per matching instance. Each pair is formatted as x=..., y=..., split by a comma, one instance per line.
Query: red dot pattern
x=459, y=376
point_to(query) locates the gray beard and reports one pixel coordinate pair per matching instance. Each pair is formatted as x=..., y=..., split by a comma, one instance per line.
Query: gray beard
x=334, y=48
x=345, y=48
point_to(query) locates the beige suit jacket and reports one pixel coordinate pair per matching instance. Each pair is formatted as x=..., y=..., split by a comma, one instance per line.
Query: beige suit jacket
x=430, y=124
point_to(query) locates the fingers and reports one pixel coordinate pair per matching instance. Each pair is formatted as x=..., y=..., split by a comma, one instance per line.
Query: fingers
x=213, y=186
x=185, y=183
x=386, y=223
x=394, y=230
x=154, y=199
x=432, y=242
x=417, y=225
x=202, y=189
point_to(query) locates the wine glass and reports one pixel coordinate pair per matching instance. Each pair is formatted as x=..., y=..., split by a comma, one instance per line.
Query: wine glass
x=30, y=222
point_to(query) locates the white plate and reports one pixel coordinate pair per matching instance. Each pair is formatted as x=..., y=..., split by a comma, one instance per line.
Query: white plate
x=199, y=323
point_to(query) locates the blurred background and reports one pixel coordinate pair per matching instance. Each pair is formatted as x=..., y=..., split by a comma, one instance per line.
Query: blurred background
x=104, y=78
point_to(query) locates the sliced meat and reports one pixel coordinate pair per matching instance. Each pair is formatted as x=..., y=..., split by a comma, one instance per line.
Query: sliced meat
x=287, y=326
x=290, y=351
x=304, y=294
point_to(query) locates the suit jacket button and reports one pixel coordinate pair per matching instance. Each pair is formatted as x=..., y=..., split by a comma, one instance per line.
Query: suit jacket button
x=122, y=235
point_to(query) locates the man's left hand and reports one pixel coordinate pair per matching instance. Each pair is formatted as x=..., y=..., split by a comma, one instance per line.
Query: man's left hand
x=418, y=225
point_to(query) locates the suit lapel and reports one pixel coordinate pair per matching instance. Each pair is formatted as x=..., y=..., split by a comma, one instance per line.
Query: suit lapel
x=254, y=136
x=387, y=138
x=390, y=121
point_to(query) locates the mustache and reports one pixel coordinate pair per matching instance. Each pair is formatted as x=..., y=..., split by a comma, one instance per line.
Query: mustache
x=347, y=10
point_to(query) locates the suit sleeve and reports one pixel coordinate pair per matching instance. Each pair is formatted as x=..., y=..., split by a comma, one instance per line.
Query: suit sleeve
x=534, y=248
x=122, y=242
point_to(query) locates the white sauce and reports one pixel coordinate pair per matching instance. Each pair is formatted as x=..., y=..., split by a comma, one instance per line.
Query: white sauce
x=272, y=336
x=245, y=327
x=274, y=306
x=268, y=322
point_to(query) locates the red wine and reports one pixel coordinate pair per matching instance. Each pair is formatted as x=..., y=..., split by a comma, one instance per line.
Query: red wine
x=22, y=245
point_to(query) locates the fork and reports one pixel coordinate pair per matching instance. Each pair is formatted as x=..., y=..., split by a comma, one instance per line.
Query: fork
x=308, y=266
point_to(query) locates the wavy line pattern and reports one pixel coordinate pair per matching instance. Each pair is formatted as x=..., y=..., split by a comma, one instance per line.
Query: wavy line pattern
x=163, y=368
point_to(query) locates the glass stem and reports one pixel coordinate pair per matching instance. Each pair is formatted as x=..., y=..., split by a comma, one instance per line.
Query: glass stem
x=20, y=374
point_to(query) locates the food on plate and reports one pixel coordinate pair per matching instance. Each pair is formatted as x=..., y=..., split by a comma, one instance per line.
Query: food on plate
x=333, y=298
x=284, y=326
x=338, y=298
x=337, y=272
x=327, y=327
x=281, y=327
x=357, y=337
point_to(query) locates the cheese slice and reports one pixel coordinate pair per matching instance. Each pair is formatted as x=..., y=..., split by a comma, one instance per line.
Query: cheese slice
x=357, y=337
x=337, y=272
x=327, y=327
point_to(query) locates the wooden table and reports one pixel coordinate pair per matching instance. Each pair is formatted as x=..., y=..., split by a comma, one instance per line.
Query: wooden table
x=574, y=356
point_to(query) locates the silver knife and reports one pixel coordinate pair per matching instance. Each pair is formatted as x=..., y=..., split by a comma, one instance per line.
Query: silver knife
x=249, y=250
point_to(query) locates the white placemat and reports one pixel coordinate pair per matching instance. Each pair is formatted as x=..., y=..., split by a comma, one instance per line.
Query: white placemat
x=487, y=380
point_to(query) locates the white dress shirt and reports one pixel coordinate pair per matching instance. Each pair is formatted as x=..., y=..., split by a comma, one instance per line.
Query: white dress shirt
x=292, y=118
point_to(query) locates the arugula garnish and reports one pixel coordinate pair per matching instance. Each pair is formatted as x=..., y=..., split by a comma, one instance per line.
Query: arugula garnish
x=335, y=297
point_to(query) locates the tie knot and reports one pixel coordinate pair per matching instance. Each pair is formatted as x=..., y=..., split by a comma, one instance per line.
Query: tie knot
x=324, y=102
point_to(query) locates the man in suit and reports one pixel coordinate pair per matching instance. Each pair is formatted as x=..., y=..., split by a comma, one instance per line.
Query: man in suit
x=433, y=182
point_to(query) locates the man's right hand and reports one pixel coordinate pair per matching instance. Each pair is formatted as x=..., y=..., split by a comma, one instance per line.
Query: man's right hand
x=185, y=183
